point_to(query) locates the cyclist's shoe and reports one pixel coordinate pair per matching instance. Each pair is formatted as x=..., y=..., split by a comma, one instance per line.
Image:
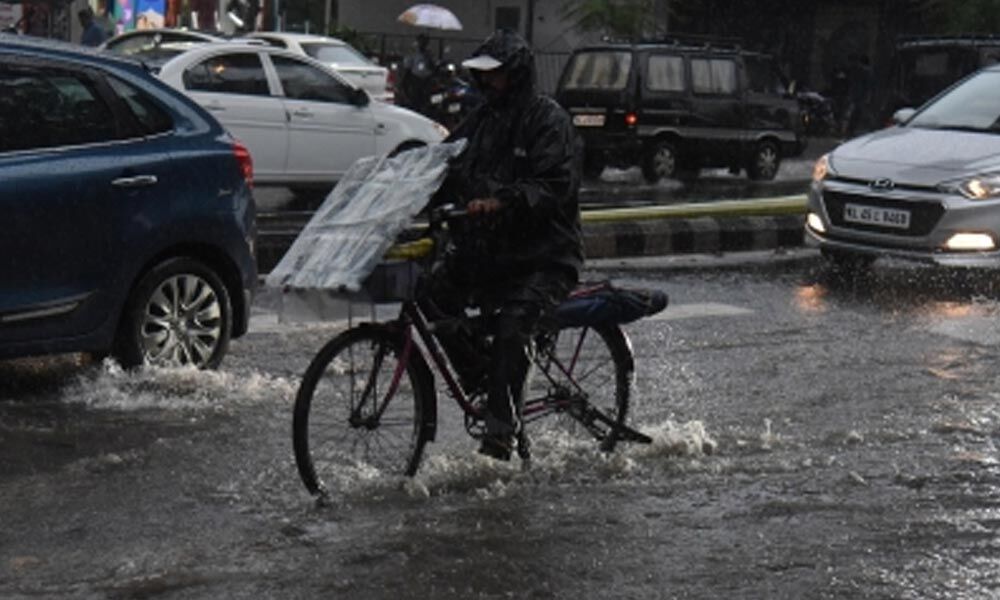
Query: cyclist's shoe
x=497, y=447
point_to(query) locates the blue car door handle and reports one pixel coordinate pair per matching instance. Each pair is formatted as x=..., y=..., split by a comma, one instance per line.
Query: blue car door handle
x=135, y=182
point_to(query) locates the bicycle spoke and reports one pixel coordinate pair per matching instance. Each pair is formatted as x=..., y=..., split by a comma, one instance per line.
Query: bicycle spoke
x=584, y=388
x=357, y=408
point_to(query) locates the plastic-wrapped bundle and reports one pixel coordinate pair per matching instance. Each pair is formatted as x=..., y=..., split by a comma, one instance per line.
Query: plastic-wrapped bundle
x=361, y=218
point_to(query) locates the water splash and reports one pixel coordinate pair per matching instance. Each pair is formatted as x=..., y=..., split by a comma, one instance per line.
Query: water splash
x=557, y=457
x=184, y=388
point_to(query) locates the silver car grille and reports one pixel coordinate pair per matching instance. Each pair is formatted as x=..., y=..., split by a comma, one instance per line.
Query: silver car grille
x=924, y=215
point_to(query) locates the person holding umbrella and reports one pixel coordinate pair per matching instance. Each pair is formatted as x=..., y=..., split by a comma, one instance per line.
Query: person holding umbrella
x=419, y=70
x=521, y=247
x=418, y=74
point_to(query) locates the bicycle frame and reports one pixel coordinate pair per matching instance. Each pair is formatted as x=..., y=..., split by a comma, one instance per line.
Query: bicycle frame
x=412, y=319
x=564, y=395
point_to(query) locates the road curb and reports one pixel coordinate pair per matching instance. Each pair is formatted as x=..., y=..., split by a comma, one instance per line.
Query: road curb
x=696, y=228
x=700, y=228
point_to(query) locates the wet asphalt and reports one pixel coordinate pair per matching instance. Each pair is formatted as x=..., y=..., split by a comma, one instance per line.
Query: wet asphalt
x=815, y=437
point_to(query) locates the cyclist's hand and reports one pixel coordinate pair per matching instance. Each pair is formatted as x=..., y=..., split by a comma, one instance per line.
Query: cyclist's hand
x=483, y=206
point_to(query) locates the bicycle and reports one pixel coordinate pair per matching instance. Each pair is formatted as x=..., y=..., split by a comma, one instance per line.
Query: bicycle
x=368, y=397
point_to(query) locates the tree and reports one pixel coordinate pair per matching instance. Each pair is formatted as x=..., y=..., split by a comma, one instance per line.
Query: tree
x=942, y=16
x=970, y=16
x=627, y=18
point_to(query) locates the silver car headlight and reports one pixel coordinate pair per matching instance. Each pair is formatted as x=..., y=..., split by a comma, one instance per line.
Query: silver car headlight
x=980, y=187
x=822, y=168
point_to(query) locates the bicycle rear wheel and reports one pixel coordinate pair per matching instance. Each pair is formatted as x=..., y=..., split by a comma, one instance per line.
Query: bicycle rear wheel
x=583, y=382
x=358, y=410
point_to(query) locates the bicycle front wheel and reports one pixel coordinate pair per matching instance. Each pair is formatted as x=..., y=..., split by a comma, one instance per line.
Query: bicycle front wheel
x=361, y=410
x=583, y=379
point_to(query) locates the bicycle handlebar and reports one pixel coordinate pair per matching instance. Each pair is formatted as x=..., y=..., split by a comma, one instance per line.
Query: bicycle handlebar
x=446, y=212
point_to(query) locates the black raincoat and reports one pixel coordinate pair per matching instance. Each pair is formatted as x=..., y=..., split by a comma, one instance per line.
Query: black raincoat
x=523, y=150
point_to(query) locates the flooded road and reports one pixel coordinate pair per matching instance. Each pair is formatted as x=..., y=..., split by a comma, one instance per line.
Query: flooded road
x=815, y=437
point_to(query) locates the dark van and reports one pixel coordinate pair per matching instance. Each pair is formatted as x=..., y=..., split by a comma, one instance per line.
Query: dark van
x=675, y=107
x=923, y=66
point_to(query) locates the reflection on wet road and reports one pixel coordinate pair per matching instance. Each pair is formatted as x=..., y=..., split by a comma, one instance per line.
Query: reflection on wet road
x=815, y=437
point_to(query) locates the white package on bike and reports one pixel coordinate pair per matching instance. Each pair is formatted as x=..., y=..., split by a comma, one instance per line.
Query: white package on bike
x=344, y=241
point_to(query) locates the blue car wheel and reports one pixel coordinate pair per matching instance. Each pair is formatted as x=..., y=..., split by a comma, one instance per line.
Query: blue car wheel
x=179, y=314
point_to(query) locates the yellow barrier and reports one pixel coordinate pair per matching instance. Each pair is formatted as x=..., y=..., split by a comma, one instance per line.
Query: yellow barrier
x=782, y=205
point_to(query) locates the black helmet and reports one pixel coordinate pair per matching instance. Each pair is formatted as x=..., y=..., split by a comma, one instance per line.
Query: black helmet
x=505, y=49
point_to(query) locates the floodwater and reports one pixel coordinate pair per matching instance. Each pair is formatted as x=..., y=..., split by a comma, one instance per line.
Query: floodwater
x=813, y=439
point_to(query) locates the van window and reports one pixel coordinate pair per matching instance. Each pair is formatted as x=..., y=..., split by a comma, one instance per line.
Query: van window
x=923, y=72
x=989, y=56
x=598, y=70
x=713, y=76
x=665, y=73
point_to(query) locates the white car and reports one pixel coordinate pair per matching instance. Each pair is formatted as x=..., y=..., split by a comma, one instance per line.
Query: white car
x=340, y=55
x=302, y=122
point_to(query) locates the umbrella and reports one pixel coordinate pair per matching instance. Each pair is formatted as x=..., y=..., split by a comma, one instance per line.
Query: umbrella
x=430, y=15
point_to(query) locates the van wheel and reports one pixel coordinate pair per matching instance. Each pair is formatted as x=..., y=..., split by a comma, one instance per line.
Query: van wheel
x=660, y=161
x=765, y=161
x=178, y=314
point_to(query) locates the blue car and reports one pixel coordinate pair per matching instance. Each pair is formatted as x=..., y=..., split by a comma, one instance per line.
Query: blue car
x=128, y=213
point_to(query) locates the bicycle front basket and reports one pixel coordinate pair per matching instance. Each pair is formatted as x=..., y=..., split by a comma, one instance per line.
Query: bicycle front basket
x=392, y=281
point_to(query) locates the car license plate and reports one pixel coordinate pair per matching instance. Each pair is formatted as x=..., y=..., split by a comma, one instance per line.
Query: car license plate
x=588, y=120
x=875, y=215
x=437, y=98
x=454, y=107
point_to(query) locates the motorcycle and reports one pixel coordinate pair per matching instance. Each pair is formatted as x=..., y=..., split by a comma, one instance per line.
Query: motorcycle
x=451, y=98
x=817, y=113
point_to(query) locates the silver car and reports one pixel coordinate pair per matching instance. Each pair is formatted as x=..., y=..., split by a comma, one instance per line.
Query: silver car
x=927, y=189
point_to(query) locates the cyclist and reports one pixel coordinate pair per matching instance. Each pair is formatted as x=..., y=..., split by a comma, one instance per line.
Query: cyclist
x=520, y=250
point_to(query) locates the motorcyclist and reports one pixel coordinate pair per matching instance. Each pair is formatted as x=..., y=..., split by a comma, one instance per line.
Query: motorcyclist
x=520, y=249
x=417, y=78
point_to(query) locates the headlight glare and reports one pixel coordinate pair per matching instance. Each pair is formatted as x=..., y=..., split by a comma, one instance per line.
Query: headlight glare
x=815, y=223
x=985, y=186
x=822, y=168
x=982, y=187
x=971, y=241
